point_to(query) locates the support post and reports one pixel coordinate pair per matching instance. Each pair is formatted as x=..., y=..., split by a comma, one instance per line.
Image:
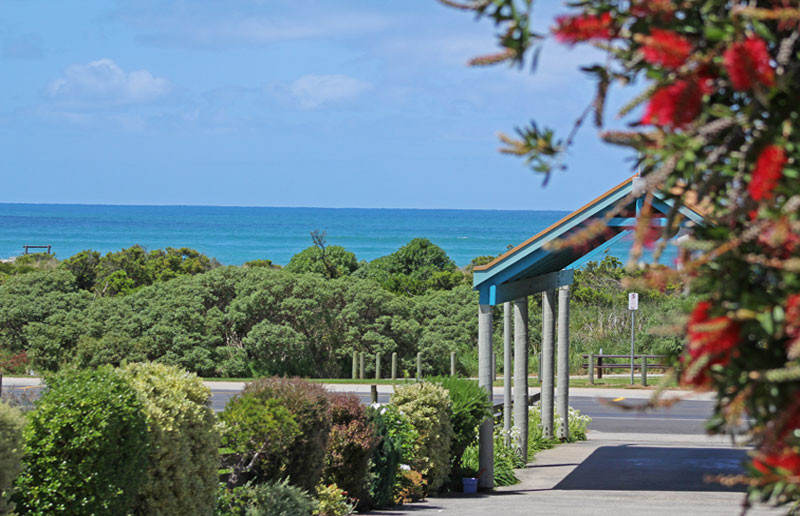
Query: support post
x=591, y=368
x=494, y=367
x=377, y=366
x=521, y=374
x=361, y=365
x=507, y=371
x=548, y=352
x=394, y=366
x=355, y=365
x=644, y=370
x=633, y=320
x=452, y=363
x=419, y=366
x=563, y=362
x=373, y=393
x=485, y=437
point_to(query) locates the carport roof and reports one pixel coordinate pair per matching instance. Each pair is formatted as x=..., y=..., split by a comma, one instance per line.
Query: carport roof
x=533, y=265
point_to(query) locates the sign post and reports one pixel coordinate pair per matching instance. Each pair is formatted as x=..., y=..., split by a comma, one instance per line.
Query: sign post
x=633, y=305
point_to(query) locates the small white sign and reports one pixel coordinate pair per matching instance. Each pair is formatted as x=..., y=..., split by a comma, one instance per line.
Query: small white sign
x=633, y=301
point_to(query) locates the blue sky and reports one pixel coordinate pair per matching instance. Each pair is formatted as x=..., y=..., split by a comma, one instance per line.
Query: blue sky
x=280, y=103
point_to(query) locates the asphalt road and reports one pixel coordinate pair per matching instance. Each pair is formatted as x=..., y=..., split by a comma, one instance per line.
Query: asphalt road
x=685, y=417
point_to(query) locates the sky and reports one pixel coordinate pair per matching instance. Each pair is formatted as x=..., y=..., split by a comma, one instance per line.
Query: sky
x=340, y=103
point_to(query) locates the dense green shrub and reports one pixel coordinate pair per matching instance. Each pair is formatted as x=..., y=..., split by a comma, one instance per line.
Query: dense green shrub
x=11, y=424
x=309, y=406
x=350, y=446
x=274, y=498
x=182, y=466
x=428, y=407
x=330, y=261
x=470, y=406
x=396, y=443
x=86, y=447
x=260, y=432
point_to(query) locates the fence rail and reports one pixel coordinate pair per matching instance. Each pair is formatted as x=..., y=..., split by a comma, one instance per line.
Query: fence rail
x=595, y=364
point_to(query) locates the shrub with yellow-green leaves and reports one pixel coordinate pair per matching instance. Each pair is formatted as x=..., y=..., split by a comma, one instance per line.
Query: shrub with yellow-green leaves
x=428, y=407
x=11, y=423
x=183, y=460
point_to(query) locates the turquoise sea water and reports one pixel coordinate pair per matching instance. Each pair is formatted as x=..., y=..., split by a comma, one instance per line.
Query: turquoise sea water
x=235, y=235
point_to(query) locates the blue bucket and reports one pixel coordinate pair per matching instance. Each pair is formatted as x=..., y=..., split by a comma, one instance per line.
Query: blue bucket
x=470, y=485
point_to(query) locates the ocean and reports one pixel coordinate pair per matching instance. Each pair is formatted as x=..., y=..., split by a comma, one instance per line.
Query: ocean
x=234, y=235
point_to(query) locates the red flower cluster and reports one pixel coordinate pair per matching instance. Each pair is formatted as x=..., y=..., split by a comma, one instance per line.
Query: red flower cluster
x=678, y=104
x=792, y=312
x=712, y=339
x=787, y=461
x=664, y=9
x=747, y=63
x=768, y=170
x=666, y=48
x=584, y=27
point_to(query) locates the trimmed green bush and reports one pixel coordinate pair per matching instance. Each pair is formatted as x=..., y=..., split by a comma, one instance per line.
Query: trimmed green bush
x=309, y=406
x=350, y=446
x=182, y=468
x=428, y=407
x=11, y=424
x=268, y=499
x=332, y=501
x=470, y=407
x=86, y=447
x=260, y=432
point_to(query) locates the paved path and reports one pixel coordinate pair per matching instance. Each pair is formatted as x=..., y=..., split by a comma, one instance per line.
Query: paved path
x=614, y=474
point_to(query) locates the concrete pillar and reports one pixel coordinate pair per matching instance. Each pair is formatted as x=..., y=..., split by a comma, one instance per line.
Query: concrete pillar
x=355, y=365
x=394, y=366
x=377, y=366
x=361, y=365
x=547, y=356
x=452, y=363
x=507, y=371
x=485, y=438
x=521, y=373
x=563, y=361
x=419, y=366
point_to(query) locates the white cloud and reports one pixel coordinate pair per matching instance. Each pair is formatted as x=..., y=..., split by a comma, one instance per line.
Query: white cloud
x=103, y=83
x=313, y=91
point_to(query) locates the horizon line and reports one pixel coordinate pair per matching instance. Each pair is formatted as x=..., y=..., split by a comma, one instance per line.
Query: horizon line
x=257, y=206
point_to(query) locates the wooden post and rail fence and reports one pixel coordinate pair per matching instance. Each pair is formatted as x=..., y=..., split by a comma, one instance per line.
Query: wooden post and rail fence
x=599, y=363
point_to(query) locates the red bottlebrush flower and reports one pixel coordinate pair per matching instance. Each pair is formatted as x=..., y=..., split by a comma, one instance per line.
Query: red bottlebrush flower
x=747, y=63
x=711, y=340
x=785, y=462
x=584, y=27
x=767, y=172
x=666, y=48
x=664, y=9
x=678, y=104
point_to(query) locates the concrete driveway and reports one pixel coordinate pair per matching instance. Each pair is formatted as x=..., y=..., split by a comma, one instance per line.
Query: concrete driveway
x=614, y=474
